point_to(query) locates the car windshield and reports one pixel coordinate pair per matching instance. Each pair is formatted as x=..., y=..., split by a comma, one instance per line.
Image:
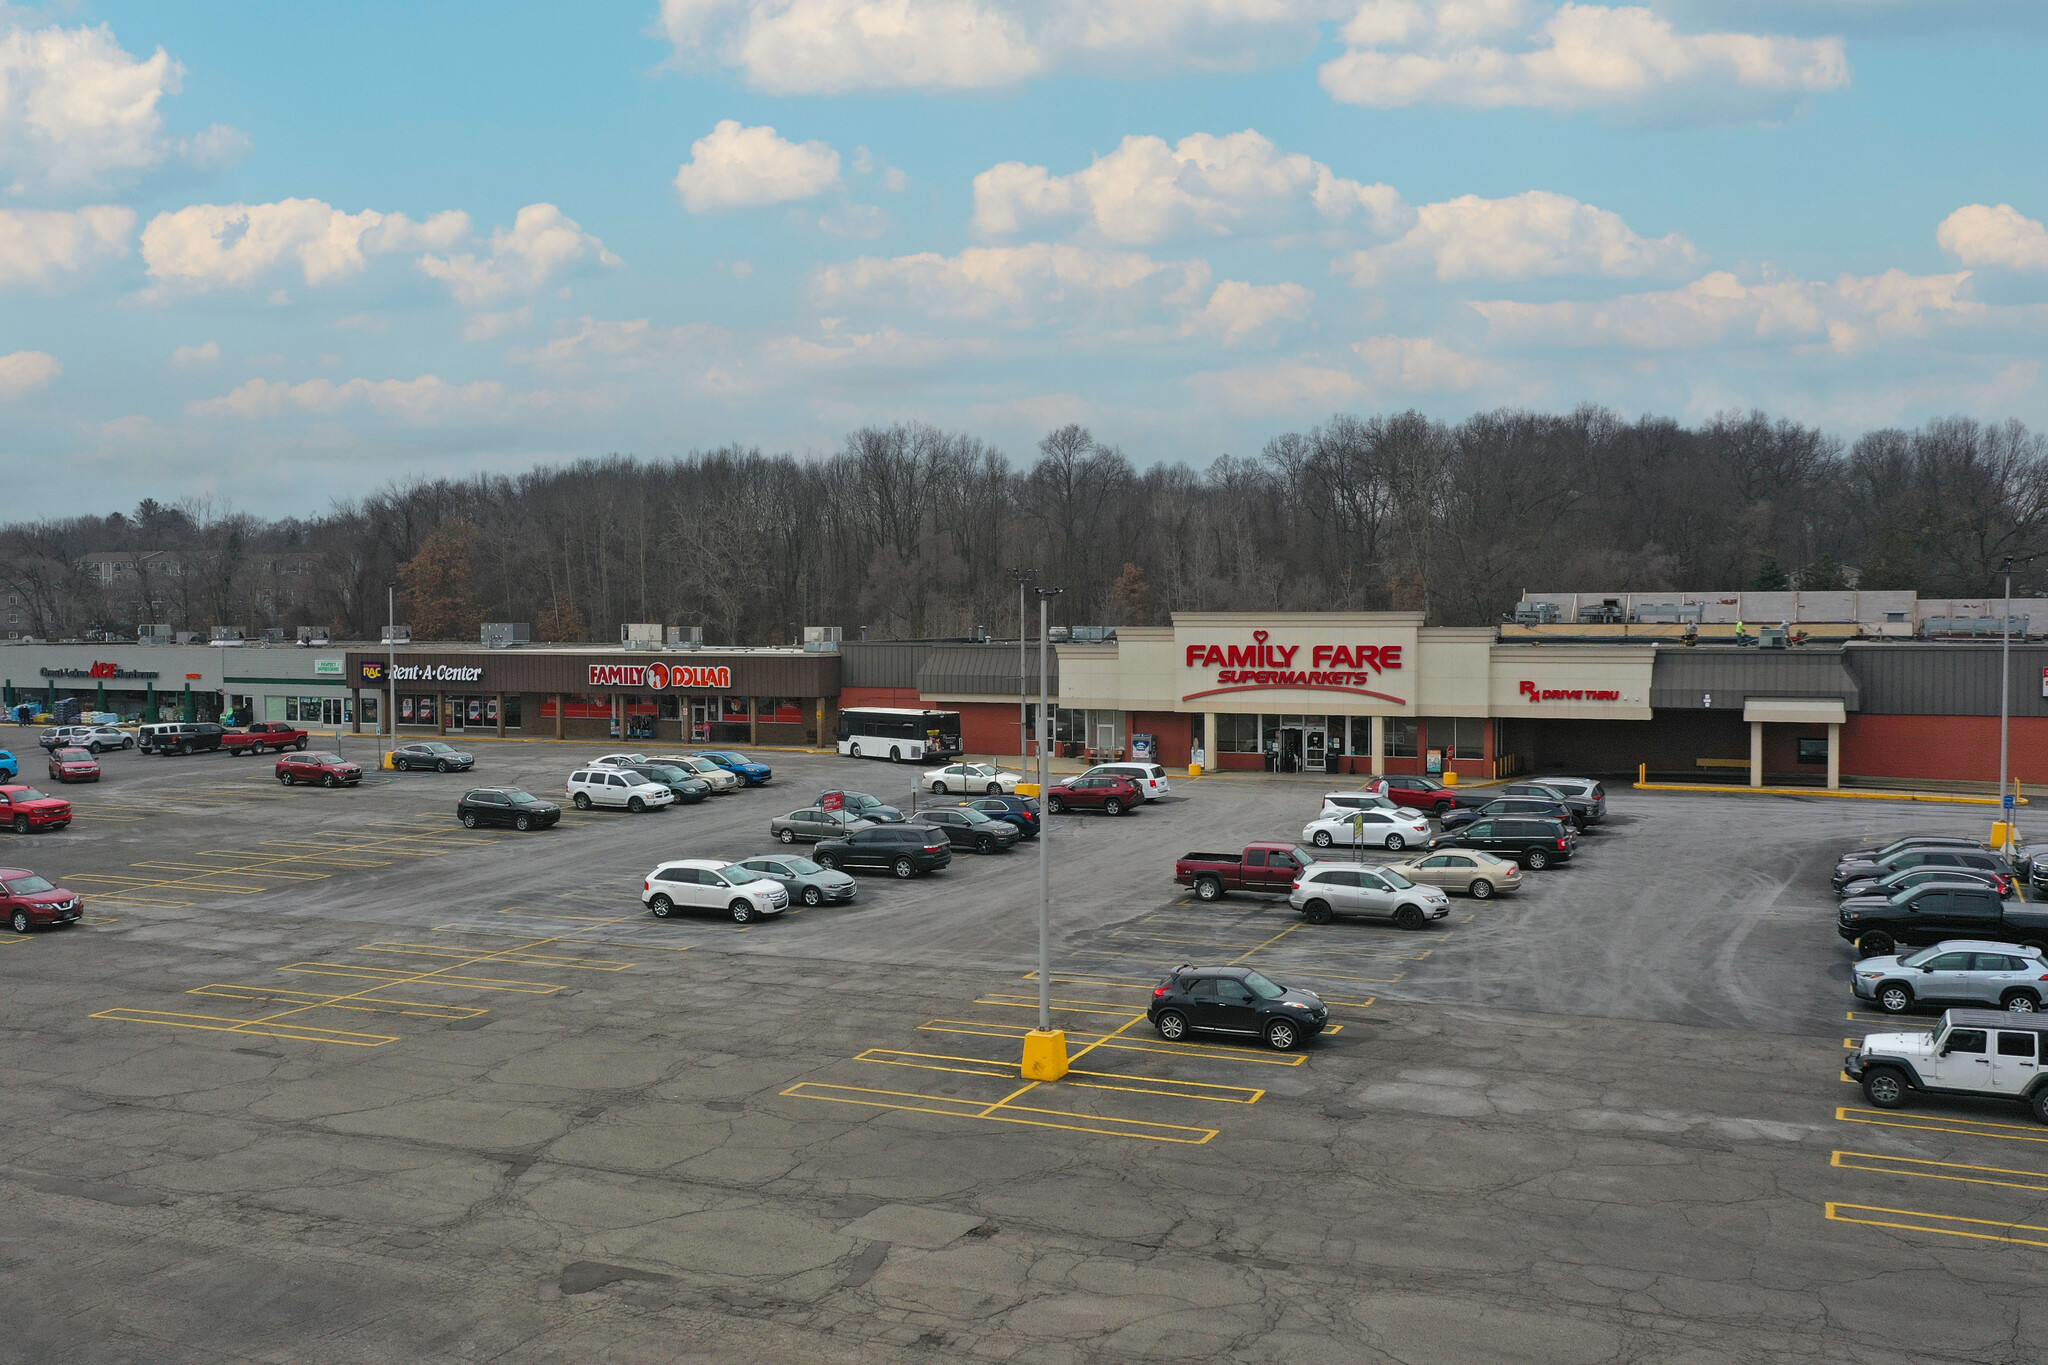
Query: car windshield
x=1923, y=956
x=975, y=817
x=1261, y=987
x=803, y=867
x=662, y=772
x=28, y=794
x=737, y=875
x=323, y=758
x=701, y=765
x=1396, y=880
x=29, y=886
x=74, y=755
x=520, y=798
x=726, y=755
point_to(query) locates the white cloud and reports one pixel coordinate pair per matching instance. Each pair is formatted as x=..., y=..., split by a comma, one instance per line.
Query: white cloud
x=630, y=344
x=1035, y=285
x=26, y=372
x=1421, y=365
x=1718, y=308
x=428, y=399
x=77, y=112
x=1287, y=387
x=204, y=356
x=1978, y=234
x=491, y=326
x=734, y=167
x=1241, y=314
x=1582, y=56
x=542, y=243
x=39, y=247
x=1147, y=191
x=233, y=246
x=886, y=348
x=1522, y=237
x=833, y=46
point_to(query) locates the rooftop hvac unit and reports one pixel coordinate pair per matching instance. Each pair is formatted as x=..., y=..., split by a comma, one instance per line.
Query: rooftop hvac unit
x=822, y=639
x=313, y=637
x=1091, y=635
x=187, y=637
x=397, y=635
x=641, y=635
x=273, y=635
x=506, y=634
x=225, y=633
x=155, y=635
x=1535, y=613
x=684, y=637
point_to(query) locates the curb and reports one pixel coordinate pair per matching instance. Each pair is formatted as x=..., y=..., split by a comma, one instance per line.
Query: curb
x=1938, y=797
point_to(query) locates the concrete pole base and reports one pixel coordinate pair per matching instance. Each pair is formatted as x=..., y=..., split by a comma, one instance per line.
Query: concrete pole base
x=1045, y=1054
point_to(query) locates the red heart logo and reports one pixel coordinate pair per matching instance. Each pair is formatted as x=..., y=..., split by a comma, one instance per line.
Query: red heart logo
x=1260, y=636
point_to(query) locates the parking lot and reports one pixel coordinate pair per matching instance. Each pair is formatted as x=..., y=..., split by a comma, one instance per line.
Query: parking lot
x=324, y=1075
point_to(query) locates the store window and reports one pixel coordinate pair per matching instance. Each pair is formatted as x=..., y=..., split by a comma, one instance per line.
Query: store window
x=1237, y=734
x=1814, y=750
x=1458, y=736
x=1402, y=733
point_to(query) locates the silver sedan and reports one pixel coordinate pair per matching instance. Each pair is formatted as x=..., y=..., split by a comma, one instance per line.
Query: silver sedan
x=812, y=824
x=807, y=882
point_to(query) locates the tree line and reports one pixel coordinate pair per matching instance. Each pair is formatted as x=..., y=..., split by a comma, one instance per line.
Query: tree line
x=910, y=531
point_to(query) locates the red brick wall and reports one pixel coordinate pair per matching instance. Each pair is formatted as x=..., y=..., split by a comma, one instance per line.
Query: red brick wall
x=1949, y=748
x=986, y=727
x=1174, y=732
x=905, y=697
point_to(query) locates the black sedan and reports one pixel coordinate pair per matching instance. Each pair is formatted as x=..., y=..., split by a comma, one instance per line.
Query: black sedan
x=1235, y=1000
x=432, y=754
x=687, y=786
x=970, y=829
x=905, y=850
x=505, y=806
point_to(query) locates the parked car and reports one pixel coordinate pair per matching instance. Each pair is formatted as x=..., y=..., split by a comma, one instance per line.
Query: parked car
x=506, y=806
x=1149, y=778
x=1955, y=972
x=1423, y=793
x=812, y=824
x=1933, y=911
x=1481, y=876
x=1021, y=811
x=63, y=736
x=1325, y=890
x=24, y=808
x=73, y=765
x=687, y=787
x=1913, y=876
x=807, y=882
x=970, y=829
x=1110, y=795
x=747, y=770
x=10, y=766
x=1541, y=807
x=1535, y=844
x=1976, y=859
x=27, y=900
x=1586, y=788
x=180, y=737
x=589, y=787
x=263, y=737
x=1583, y=810
x=723, y=781
x=100, y=738
x=971, y=777
x=1342, y=803
x=904, y=850
x=1872, y=849
x=707, y=884
x=1392, y=830
x=1264, y=869
x=625, y=761
x=431, y=754
x=314, y=765
x=1986, y=1054
x=870, y=808
x=1235, y=1000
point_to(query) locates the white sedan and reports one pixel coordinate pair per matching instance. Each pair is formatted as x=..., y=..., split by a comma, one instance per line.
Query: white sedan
x=1390, y=829
x=972, y=777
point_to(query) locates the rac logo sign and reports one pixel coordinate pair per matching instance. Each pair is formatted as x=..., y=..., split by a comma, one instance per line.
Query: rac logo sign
x=1542, y=694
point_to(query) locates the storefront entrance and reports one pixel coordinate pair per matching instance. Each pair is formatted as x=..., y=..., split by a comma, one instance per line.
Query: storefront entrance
x=1299, y=745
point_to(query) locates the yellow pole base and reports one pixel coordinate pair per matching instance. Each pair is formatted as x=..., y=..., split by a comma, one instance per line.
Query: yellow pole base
x=2000, y=834
x=1045, y=1054
x=1027, y=789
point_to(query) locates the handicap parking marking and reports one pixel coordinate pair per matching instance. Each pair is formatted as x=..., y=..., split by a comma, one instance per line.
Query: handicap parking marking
x=1944, y=1224
x=1935, y=1123
x=1925, y=1169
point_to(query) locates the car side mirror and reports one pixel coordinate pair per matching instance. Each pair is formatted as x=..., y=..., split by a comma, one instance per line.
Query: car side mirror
x=1926, y=966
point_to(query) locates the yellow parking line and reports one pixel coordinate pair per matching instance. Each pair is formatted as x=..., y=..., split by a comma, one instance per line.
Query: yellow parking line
x=1895, y=1020
x=217, y=1024
x=1067, y=1006
x=396, y=976
x=1938, y=1170
x=594, y=964
x=421, y=1008
x=1957, y=1127
x=979, y=1028
x=572, y=936
x=1041, y=1118
x=1141, y=1085
x=1932, y=1222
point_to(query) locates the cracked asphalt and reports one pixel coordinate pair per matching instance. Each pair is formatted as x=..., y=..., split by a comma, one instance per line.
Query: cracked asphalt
x=325, y=1078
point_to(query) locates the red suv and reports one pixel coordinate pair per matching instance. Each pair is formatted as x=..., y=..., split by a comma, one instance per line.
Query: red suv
x=329, y=770
x=73, y=765
x=27, y=900
x=1110, y=795
x=24, y=808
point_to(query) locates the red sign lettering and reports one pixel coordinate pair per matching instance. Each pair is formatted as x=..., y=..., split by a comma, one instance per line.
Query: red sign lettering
x=1332, y=668
x=655, y=677
x=1538, y=694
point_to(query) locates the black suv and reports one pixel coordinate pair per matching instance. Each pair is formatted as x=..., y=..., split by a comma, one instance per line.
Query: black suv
x=969, y=829
x=1976, y=859
x=1535, y=844
x=1235, y=1000
x=689, y=788
x=505, y=806
x=200, y=738
x=1933, y=911
x=1584, y=809
x=864, y=807
x=1542, y=807
x=905, y=850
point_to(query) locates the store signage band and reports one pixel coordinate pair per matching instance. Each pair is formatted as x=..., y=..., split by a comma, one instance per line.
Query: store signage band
x=1541, y=694
x=375, y=671
x=98, y=670
x=655, y=677
x=1262, y=666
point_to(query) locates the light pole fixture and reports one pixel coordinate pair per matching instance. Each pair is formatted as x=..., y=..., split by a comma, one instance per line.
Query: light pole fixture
x=1045, y=1048
x=1022, y=576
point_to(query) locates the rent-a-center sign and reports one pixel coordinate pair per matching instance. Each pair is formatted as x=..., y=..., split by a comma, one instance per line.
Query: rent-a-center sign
x=1346, y=666
x=656, y=677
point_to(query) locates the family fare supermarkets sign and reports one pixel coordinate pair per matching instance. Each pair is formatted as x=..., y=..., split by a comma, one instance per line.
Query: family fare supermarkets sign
x=655, y=677
x=1263, y=666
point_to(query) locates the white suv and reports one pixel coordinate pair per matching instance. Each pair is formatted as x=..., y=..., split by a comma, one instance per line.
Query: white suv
x=1148, y=778
x=708, y=884
x=1995, y=1054
x=589, y=787
x=1325, y=890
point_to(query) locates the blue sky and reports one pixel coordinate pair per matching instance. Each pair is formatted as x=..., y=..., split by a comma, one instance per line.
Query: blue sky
x=281, y=255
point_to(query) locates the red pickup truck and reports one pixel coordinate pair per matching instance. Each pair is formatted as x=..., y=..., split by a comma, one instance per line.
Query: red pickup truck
x=1262, y=869
x=262, y=737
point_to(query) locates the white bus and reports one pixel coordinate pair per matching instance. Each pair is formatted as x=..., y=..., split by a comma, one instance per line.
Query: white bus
x=901, y=736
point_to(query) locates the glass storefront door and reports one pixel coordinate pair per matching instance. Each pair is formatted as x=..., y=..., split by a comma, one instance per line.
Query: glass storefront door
x=1313, y=745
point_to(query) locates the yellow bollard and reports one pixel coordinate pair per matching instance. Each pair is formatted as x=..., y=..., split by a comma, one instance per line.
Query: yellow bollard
x=2001, y=834
x=1450, y=778
x=1045, y=1054
x=1194, y=770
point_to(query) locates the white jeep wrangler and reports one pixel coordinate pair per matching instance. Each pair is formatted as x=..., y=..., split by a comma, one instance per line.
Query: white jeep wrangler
x=1997, y=1054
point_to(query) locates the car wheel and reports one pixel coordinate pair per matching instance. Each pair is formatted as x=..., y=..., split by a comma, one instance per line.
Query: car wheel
x=93, y=748
x=904, y=869
x=812, y=896
x=1409, y=917
x=1316, y=912
x=1322, y=839
x=995, y=789
x=21, y=922
x=853, y=751
x=1395, y=843
x=1536, y=860
x=1055, y=805
x=441, y=766
x=1172, y=1025
x=469, y=819
x=330, y=781
x=21, y=824
x=1876, y=943
x=742, y=911
x=582, y=801
x=1481, y=889
x=284, y=779
x=1112, y=806
x=662, y=907
x=826, y=860
x=938, y=789
x=788, y=836
x=127, y=744
x=1282, y=1036
x=1209, y=889
x=1885, y=1087
x=522, y=824
x=895, y=755
x=2020, y=1002
x=1895, y=998
x=636, y=805
x=300, y=745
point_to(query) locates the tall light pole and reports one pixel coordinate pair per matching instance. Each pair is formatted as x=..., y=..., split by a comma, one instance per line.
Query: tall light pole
x=391, y=665
x=2008, y=807
x=1045, y=1049
x=1022, y=576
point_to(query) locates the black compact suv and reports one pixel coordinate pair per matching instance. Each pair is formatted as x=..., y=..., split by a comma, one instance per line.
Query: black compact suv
x=969, y=829
x=905, y=850
x=505, y=806
x=1236, y=1000
x=1535, y=844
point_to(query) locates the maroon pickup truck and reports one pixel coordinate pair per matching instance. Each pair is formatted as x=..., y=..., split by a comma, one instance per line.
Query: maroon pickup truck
x=262, y=737
x=1262, y=869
